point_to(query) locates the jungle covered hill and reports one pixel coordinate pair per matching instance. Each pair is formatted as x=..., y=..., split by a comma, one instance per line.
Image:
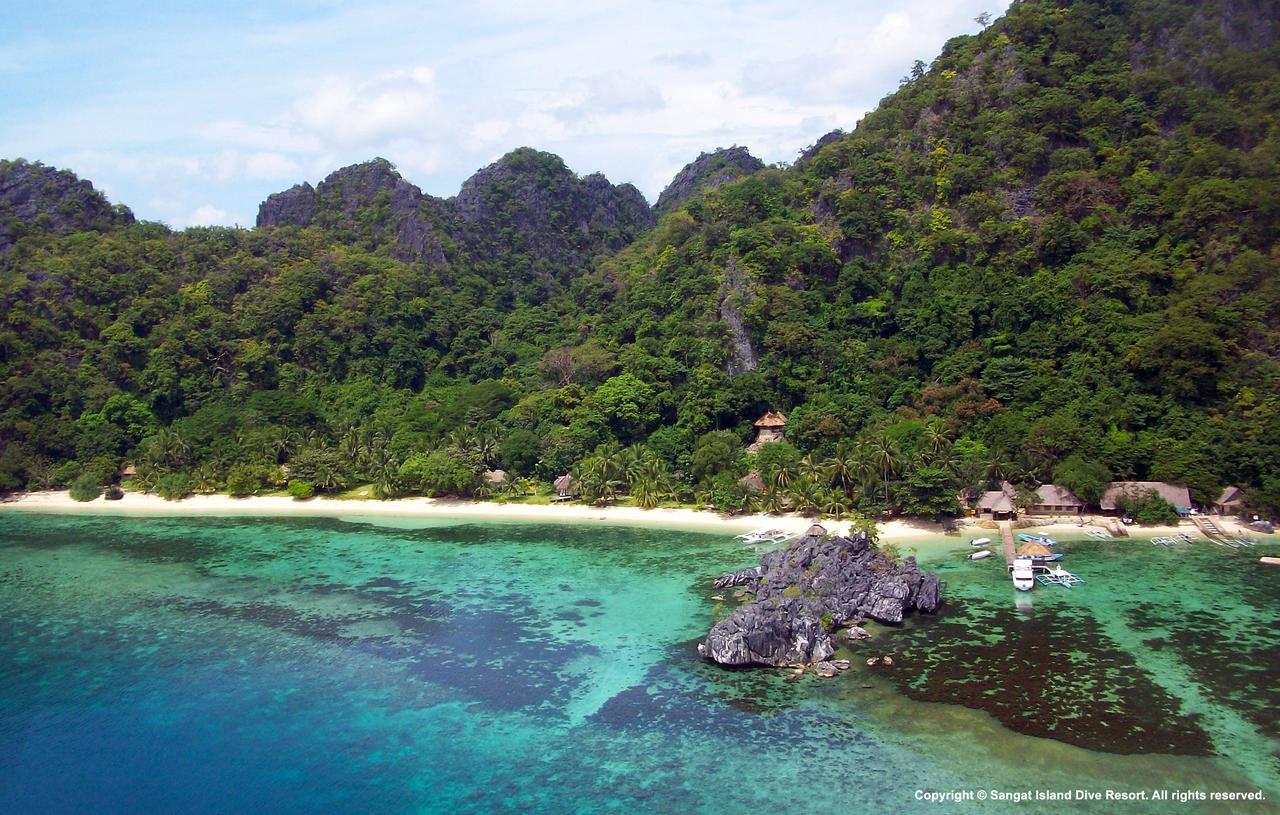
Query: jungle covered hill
x=1050, y=255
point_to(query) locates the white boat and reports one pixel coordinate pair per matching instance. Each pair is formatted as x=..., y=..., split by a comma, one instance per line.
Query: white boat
x=980, y=554
x=980, y=541
x=766, y=534
x=1024, y=575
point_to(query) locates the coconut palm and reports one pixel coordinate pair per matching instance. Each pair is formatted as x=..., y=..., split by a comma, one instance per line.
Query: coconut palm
x=205, y=479
x=773, y=502
x=842, y=468
x=885, y=454
x=835, y=504
x=935, y=436
x=645, y=493
x=805, y=495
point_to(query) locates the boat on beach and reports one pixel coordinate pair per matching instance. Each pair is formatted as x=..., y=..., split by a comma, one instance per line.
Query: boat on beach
x=764, y=535
x=1043, y=540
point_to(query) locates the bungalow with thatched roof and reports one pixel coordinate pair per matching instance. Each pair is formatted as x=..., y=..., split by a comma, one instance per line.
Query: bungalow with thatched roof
x=1054, y=500
x=768, y=429
x=815, y=531
x=495, y=477
x=566, y=487
x=1230, y=502
x=1178, y=496
x=998, y=504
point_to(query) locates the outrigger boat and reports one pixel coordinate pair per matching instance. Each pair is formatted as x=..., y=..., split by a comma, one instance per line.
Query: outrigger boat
x=1058, y=576
x=764, y=534
x=1044, y=540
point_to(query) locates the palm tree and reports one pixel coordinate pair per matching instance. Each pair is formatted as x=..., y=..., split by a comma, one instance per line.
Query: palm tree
x=645, y=493
x=805, y=496
x=835, y=504
x=842, y=468
x=885, y=454
x=204, y=479
x=999, y=468
x=782, y=477
x=773, y=502
x=812, y=469
x=935, y=436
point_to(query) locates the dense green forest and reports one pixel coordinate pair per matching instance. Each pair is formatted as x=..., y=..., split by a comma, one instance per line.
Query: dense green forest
x=1052, y=253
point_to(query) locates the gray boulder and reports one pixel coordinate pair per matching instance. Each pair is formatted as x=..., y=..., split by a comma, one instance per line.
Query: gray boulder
x=811, y=587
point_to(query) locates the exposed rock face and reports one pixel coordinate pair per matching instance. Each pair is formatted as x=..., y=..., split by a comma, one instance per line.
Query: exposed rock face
x=526, y=211
x=33, y=196
x=814, y=149
x=708, y=170
x=552, y=214
x=841, y=579
x=369, y=196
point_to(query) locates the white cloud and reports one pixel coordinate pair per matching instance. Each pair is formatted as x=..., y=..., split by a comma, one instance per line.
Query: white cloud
x=353, y=112
x=215, y=112
x=208, y=215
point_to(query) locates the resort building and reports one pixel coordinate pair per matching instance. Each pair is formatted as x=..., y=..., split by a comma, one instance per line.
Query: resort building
x=1176, y=494
x=998, y=504
x=768, y=428
x=566, y=487
x=1230, y=502
x=1054, y=500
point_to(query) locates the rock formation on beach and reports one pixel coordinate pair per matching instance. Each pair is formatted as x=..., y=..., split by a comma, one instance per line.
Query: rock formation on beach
x=809, y=589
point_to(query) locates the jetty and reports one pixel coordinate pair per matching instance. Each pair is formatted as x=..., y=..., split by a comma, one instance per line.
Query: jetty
x=1210, y=529
x=1006, y=540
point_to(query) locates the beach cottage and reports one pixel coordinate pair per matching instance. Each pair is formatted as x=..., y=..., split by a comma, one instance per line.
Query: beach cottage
x=1177, y=495
x=566, y=488
x=769, y=428
x=998, y=504
x=1230, y=502
x=1054, y=500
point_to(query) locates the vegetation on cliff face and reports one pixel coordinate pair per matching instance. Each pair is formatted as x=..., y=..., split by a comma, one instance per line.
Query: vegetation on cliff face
x=1056, y=243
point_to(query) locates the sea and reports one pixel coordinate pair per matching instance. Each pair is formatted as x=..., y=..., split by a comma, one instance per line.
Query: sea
x=366, y=665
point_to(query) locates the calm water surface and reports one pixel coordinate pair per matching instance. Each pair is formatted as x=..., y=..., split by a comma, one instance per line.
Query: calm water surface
x=346, y=666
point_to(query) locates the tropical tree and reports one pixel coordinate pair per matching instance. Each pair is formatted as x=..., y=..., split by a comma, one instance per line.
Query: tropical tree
x=885, y=454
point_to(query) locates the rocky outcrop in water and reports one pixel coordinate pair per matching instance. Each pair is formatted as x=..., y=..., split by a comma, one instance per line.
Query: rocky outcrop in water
x=809, y=589
x=36, y=197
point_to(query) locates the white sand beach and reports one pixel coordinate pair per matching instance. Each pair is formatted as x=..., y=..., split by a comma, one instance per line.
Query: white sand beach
x=135, y=503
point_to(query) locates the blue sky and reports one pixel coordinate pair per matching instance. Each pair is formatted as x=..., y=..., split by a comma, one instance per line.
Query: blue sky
x=192, y=113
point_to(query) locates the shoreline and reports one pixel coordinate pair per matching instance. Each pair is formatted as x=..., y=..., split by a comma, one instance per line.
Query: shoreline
x=144, y=504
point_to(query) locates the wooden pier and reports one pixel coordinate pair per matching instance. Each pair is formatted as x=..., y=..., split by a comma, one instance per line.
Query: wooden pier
x=1210, y=529
x=1006, y=540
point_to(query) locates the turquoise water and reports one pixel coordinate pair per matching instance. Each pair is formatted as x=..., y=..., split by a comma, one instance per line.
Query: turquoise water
x=325, y=665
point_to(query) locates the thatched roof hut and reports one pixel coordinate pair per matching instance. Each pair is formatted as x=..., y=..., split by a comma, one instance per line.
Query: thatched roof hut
x=771, y=419
x=565, y=486
x=495, y=476
x=815, y=531
x=1034, y=550
x=1175, y=494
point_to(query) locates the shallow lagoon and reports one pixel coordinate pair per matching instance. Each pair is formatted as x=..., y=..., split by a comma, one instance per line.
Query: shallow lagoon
x=305, y=665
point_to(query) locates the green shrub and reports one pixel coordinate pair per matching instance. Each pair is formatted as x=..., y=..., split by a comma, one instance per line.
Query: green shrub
x=244, y=480
x=85, y=488
x=174, y=486
x=301, y=490
x=1147, y=507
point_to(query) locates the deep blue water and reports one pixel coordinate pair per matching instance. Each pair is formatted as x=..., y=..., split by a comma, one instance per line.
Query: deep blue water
x=282, y=665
